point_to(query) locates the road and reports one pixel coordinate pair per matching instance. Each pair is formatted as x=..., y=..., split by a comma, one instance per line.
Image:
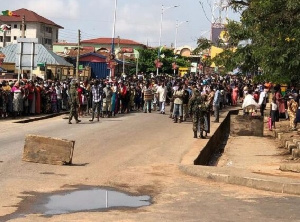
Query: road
x=137, y=153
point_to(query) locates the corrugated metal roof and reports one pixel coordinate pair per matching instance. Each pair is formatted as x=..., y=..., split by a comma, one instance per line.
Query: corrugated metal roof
x=43, y=55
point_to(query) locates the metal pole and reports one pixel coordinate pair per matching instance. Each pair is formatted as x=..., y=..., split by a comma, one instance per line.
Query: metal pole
x=114, y=28
x=160, y=33
x=78, y=55
x=4, y=38
x=106, y=198
x=113, y=34
x=23, y=26
x=32, y=60
x=176, y=32
x=20, y=60
x=123, y=63
x=137, y=66
x=160, y=30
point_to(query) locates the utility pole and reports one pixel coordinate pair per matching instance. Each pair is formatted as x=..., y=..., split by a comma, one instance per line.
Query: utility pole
x=4, y=38
x=78, y=55
x=23, y=26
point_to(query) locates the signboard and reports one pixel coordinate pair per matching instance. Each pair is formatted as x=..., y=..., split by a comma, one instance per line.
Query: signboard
x=194, y=67
x=26, y=53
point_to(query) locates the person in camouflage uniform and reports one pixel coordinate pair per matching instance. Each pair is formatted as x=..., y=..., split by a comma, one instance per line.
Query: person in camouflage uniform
x=197, y=109
x=292, y=111
x=74, y=103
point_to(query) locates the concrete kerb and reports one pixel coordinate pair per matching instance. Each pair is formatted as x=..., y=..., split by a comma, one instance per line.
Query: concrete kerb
x=37, y=118
x=242, y=177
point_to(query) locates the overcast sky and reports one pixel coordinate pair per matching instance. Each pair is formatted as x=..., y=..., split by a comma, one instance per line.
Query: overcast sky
x=138, y=20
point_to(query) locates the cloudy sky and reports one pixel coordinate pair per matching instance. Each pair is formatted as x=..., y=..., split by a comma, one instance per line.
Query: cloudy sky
x=138, y=20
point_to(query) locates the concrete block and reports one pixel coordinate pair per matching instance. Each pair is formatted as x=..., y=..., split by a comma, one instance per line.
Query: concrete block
x=267, y=185
x=286, y=143
x=293, y=167
x=292, y=188
x=276, y=131
x=279, y=135
x=291, y=146
x=296, y=140
x=283, y=141
x=296, y=153
x=246, y=126
x=41, y=149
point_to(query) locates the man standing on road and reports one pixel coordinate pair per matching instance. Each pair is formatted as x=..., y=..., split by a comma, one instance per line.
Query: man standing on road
x=96, y=94
x=162, y=96
x=74, y=103
x=148, y=96
x=216, y=104
x=196, y=110
x=107, y=95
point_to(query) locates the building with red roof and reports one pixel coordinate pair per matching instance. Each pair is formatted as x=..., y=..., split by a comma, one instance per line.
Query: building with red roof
x=36, y=26
x=101, y=45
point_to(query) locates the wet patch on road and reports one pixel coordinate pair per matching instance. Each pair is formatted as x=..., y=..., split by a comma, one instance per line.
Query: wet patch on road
x=84, y=199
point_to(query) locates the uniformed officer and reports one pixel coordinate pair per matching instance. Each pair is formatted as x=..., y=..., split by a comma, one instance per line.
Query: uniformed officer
x=292, y=110
x=74, y=102
x=197, y=108
x=107, y=95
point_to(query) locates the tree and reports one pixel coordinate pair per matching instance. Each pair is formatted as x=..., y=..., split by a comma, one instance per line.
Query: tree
x=167, y=57
x=268, y=36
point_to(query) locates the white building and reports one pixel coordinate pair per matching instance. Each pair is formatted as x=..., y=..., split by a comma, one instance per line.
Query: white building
x=36, y=26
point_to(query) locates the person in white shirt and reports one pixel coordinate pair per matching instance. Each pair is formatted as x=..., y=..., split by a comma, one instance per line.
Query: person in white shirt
x=162, y=95
x=262, y=102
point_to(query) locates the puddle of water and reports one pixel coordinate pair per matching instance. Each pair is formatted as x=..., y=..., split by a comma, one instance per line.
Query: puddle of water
x=89, y=200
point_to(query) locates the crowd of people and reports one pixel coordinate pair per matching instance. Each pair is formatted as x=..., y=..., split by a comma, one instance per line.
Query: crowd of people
x=197, y=96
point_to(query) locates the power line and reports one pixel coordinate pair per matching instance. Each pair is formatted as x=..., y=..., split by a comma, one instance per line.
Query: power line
x=201, y=3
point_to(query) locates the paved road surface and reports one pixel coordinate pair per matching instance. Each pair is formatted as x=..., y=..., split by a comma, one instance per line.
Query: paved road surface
x=137, y=153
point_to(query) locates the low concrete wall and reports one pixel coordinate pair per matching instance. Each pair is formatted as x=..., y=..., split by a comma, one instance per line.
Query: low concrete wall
x=215, y=141
x=247, y=126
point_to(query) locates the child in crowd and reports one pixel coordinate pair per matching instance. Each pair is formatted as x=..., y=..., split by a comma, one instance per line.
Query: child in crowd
x=274, y=113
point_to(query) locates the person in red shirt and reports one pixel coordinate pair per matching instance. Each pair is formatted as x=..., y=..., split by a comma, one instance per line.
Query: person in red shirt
x=256, y=96
x=30, y=97
x=80, y=91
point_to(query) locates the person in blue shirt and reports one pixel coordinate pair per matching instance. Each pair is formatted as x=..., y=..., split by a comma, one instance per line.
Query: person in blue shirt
x=216, y=104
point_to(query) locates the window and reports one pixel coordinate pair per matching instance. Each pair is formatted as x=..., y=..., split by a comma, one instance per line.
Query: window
x=1, y=38
x=15, y=26
x=47, y=41
x=48, y=29
x=15, y=37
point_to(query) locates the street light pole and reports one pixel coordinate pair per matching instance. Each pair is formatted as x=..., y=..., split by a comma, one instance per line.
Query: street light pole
x=176, y=31
x=113, y=33
x=175, y=43
x=160, y=30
